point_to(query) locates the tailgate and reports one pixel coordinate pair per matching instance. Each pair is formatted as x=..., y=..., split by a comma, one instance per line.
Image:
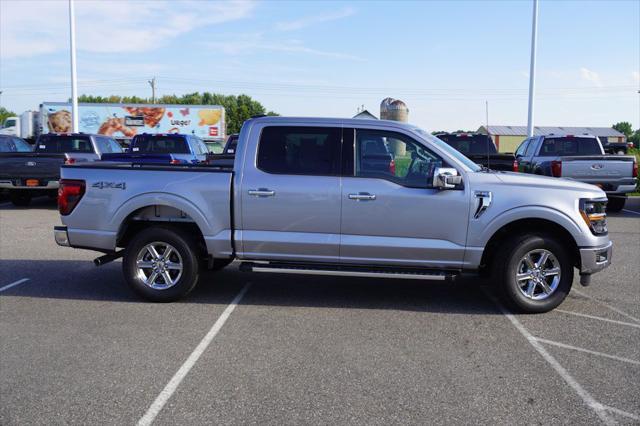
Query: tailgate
x=597, y=168
x=30, y=166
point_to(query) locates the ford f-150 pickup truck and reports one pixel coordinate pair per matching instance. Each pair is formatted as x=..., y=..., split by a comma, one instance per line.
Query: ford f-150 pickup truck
x=302, y=199
x=28, y=174
x=580, y=158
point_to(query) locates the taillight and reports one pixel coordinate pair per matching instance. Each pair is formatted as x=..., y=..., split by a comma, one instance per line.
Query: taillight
x=515, y=165
x=634, y=173
x=69, y=161
x=174, y=161
x=69, y=194
x=556, y=168
x=392, y=167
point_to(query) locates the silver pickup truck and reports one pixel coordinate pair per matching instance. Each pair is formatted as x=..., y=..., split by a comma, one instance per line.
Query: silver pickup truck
x=302, y=197
x=581, y=158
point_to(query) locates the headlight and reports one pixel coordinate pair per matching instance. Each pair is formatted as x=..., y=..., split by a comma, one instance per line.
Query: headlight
x=594, y=213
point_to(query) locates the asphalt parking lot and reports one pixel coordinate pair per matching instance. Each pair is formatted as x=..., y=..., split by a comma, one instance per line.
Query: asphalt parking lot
x=77, y=347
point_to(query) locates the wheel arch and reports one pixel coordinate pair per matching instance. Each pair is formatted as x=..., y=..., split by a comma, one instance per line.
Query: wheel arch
x=530, y=226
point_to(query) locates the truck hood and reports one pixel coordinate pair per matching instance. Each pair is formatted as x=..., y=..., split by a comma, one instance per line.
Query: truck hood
x=527, y=181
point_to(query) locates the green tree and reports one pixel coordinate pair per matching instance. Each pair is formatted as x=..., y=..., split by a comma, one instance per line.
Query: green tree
x=4, y=113
x=624, y=127
x=237, y=108
x=635, y=138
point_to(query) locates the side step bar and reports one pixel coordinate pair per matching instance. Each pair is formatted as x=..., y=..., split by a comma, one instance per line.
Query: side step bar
x=348, y=271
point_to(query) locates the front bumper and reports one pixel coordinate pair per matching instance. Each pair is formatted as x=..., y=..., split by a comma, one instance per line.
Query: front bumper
x=8, y=184
x=595, y=259
x=61, y=236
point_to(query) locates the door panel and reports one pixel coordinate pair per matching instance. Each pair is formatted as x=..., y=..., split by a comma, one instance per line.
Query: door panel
x=291, y=200
x=390, y=212
x=403, y=226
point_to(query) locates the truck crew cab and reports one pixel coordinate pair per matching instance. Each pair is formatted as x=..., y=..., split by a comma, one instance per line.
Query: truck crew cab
x=301, y=197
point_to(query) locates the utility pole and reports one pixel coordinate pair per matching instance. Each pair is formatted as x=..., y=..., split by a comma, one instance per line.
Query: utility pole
x=152, y=83
x=532, y=69
x=74, y=75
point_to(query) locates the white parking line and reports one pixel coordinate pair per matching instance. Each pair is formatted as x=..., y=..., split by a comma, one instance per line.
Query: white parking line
x=13, y=284
x=578, y=314
x=588, y=351
x=613, y=308
x=621, y=412
x=630, y=211
x=177, y=378
x=589, y=400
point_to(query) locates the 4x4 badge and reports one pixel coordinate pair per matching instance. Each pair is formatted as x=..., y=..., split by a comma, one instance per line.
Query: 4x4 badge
x=109, y=185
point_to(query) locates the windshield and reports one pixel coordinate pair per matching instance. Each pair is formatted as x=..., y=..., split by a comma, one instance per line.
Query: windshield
x=449, y=150
x=61, y=144
x=9, y=122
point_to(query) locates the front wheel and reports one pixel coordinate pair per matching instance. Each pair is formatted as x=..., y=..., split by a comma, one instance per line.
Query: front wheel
x=160, y=264
x=535, y=273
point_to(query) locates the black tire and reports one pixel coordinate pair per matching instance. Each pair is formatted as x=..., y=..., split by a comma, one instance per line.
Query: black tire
x=506, y=265
x=616, y=204
x=20, y=198
x=182, y=244
x=218, y=264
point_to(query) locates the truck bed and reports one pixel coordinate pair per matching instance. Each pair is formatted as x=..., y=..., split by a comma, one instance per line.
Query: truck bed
x=119, y=191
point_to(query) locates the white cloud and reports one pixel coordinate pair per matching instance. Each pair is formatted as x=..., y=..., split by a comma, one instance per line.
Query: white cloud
x=249, y=43
x=313, y=20
x=590, y=76
x=636, y=76
x=30, y=28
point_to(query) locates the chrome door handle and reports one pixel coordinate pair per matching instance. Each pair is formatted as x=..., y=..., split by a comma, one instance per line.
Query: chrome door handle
x=262, y=192
x=362, y=196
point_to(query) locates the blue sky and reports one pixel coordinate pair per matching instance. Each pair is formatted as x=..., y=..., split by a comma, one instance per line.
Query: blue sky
x=317, y=58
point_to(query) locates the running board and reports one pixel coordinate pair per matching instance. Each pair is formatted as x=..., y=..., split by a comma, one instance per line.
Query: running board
x=347, y=271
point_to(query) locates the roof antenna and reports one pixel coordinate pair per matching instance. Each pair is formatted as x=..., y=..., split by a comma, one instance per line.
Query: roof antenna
x=486, y=107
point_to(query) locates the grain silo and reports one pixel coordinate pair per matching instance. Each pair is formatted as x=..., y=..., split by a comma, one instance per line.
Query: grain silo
x=396, y=110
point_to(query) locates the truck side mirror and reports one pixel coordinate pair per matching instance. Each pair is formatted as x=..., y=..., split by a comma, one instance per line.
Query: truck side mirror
x=446, y=178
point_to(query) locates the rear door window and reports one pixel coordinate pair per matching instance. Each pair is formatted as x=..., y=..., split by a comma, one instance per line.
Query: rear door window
x=300, y=150
x=567, y=146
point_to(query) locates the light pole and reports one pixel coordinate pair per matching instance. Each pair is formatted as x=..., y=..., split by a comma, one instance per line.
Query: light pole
x=74, y=76
x=532, y=69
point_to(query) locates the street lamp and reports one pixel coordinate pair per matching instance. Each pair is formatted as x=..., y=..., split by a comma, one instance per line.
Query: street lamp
x=74, y=76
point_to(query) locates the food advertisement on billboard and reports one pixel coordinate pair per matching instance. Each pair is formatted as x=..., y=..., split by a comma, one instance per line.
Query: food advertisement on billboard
x=128, y=120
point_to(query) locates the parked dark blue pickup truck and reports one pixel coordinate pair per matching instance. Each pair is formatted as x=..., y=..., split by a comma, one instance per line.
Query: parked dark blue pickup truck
x=163, y=149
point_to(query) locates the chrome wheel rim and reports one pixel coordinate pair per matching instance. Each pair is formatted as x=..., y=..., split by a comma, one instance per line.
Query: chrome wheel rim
x=538, y=274
x=159, y=265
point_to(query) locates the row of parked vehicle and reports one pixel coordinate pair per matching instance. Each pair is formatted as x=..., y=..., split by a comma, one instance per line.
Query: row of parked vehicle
x=27, y=171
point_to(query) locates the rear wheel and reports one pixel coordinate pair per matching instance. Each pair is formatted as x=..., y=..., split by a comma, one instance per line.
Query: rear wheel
x=20, y=198
x=615, y=204
x=535, y=273
x=160, y=264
